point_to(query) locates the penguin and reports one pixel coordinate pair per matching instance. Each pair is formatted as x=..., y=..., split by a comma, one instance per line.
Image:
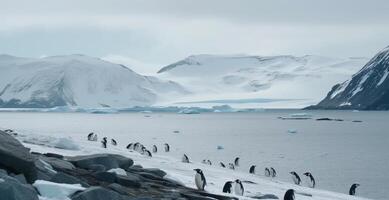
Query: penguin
x=113, y=142
x=227, y=187
x=273, y=172
x=167, y=147
x=267, y=172
x=209, y=162
x=200, y=179
x=252, y=169
x=129, y=146
x=296, y=178
x=147, y=153
x=352, y=189
x=136, y=146
x=185, y=159
x=204, y=161
x=231, y=166
x=239, y=190
x=311, y=181
x=104, y=142
x=222, y=165
x=155, y=149
x=289, y=195
x=143, y=150
x=90, y=136
x=236, y=161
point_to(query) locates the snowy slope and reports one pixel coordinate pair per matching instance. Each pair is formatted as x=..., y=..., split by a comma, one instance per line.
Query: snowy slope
x=368, y=88
x=183, y=172
x=77, y=80
x=284, y=81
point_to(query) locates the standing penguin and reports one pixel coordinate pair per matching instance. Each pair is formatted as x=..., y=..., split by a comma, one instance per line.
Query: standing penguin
x=267, y=172
x=185, y=159
x=252, y=169
x=236, y=161
x=147, y=153
x=273, y=172
x=227, y=187
x=94, y=137
x=222, y=165
x=90, y=136
x=239, y=190
x=352, y=189
x=311, y=180
x=231, y=166
x=200, y=179
x=104, y=142
x=296, y=178
x=289, y=195
x=113, y=142
x=167, y=147
x=129, y=146
x=155, y=149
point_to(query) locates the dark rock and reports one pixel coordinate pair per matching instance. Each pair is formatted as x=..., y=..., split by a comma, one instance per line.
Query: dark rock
x=54, y=155
x=109, y=161
x=61, y=177
x=97, y=168
x=58, y=163
x=99, y=193
x=109, y=177
x=44, y=170
x=265, y=196
x=119, y=189
x=12, y=189
x=21, y=178
x=129, y=181
x=154, y=171
x=16, y=158
x=136, y=166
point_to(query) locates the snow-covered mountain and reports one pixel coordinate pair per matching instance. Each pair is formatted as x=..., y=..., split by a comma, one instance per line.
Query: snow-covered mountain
x=77, y=80
x=367, y=90
x=271, y=81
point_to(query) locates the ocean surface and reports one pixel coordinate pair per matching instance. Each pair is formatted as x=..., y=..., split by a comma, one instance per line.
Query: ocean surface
x=337, y=153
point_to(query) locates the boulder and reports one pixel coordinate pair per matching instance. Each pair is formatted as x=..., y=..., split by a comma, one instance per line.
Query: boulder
x=16, y=158
x=109, y=161
x=58, y=163
x=12, y=189
x=154, y=171
x=99, y=193
x=61, y=177
x=130, y=180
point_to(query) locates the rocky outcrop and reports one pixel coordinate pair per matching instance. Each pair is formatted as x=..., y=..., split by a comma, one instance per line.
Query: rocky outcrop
x=91, y=172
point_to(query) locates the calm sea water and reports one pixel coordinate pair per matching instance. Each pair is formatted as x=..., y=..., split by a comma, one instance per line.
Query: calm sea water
x=336, y=153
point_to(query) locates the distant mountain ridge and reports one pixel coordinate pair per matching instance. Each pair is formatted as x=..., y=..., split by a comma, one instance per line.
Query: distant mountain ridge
x=218, y=77
x=77, y=80
x=367, y=90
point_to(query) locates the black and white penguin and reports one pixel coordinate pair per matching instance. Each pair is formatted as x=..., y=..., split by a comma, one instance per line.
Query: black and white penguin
x=204, y=161
x=239, y=190
x=289, y=195
x=227, y=187
x=296, y=178
x=209, y=162
x=231, y=166
x=311, y=180
x=273, y=172
x=252, y=169
x=104, y=142
x=167, y=147
x=200, y=179
x=147, y=153
x=222, y=165
x=155, y=149
x=130, y=146
x=236, y=161
x=136, y=146
x=90, y=136
x=353, y=188
x=113, y=142
x=185, y=159
x=94, y=138
x=267, y=172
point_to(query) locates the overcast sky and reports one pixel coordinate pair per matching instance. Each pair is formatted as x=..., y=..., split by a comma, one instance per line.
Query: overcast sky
x=153, y=33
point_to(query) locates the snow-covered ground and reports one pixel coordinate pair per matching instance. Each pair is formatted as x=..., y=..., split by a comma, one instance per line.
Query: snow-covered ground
x=337, y=153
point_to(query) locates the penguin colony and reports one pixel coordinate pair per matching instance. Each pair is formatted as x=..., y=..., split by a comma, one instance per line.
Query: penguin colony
x=200, y=180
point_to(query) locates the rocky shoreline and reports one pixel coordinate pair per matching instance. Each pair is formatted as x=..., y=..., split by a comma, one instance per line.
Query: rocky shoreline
x=100, y=176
